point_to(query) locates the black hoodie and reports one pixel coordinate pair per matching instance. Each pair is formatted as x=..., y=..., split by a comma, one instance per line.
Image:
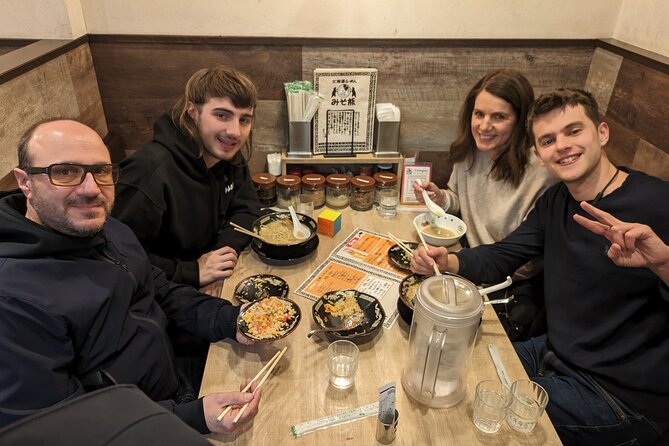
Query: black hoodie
x=177, y=207
x=77, y=313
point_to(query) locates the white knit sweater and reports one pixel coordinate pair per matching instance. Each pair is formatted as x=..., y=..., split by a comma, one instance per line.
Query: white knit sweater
x=492, y=209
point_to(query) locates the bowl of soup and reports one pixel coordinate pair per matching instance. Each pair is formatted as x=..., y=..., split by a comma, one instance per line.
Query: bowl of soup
x=440, y=231
x=277, y=241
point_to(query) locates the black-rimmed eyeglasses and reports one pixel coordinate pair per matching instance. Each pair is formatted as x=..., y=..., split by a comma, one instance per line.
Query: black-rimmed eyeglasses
x=69, y=174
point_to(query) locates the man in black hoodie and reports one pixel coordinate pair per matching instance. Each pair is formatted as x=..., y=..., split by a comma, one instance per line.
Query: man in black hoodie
x=81, y=307
x=180, y=192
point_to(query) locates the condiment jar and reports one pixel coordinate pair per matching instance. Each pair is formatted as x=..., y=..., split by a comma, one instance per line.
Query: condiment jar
x=337, y=190
x=287, y=188
x=384, y=180
x=362, y=193
x=265, y=184
x=314, y=184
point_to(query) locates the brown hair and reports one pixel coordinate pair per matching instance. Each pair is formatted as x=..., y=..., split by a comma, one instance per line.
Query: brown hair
x=560, y=99
x=514, y=88
x=214, y=82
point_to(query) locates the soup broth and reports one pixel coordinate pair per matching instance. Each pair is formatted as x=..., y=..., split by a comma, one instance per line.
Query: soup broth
x=438, y=231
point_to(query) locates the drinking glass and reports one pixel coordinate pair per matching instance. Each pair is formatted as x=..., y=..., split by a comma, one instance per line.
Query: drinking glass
x=528, y=401
x=343, y=362
x=388, y=201
x=304, y=204
x=490, y=405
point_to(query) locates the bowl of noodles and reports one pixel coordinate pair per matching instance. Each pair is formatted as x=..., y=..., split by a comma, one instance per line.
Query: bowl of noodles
x=278, y=242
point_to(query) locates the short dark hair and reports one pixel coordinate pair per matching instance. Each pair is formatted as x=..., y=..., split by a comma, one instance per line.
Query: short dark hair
x=23, y=155
x=560, y=99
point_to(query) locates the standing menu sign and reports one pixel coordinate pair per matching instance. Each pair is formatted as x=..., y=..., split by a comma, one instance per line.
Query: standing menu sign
x=344, y=123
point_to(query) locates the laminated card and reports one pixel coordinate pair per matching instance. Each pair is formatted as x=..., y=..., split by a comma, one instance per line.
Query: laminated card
x=344, y=123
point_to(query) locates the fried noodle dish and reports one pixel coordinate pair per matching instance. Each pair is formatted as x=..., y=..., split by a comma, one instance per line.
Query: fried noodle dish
x=269, y=318
x=343, y=307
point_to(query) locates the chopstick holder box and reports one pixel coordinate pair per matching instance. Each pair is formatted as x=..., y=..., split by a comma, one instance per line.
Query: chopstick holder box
x=299, y=139
x=386, y=137
x=329, y=222
x=386, y=430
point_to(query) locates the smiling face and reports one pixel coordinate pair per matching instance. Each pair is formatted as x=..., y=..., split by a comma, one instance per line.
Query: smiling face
x=223, y=128
x=81, y=210
x=569, y=145
x=493, y=122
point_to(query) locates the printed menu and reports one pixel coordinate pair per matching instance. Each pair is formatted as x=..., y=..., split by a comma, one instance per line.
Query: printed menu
x=360, y=263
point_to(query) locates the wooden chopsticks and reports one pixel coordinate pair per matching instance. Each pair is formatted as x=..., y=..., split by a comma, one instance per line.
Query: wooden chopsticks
x=271, y=364
x=243, y=230
x=401, y=244
x=434, y=264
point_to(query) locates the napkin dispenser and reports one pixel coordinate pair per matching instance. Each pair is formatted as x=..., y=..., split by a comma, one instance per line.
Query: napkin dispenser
x=386, y=130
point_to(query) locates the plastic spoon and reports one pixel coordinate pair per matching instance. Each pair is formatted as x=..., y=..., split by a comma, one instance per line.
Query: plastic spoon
x=431, y=205
x=300, y=231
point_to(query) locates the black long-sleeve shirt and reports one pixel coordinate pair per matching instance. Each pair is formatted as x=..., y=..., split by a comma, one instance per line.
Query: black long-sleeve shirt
x=609, y=321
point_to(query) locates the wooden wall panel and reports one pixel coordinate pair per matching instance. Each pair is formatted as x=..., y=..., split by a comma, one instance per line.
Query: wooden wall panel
x=640, y=102
x=140, y=80
x=64, y=86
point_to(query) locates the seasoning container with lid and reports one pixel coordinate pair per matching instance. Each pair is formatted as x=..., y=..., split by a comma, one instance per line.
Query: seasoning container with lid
x=362, y=193
x=287, y=188
x=337, y=187
x=265, y=184
x=314, y=184
x=384, y=180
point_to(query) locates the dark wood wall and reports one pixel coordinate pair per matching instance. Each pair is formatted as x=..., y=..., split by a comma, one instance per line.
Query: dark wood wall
x=140, y=77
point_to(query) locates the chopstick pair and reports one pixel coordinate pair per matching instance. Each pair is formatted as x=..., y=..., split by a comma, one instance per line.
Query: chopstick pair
x=243, y=230
x=434, y=264
x=401, y=244
x=271, y=364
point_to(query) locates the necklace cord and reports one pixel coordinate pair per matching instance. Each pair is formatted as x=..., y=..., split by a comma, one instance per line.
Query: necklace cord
x=601, y=192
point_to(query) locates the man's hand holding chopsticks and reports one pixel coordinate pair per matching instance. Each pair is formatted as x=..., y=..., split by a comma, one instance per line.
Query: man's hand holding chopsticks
x=212, y=408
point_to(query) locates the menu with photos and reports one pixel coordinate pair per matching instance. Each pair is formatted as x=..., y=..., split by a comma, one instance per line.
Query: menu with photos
x=360, y=263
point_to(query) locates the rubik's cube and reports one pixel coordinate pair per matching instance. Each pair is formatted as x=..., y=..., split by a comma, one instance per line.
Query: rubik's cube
x=329, y=222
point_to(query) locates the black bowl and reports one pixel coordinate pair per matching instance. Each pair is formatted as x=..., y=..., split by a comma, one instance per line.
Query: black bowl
x=370, y=306
x=290, y=251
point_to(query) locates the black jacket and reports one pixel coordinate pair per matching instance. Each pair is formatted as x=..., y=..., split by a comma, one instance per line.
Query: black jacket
x=178, y=208
x=77, y=313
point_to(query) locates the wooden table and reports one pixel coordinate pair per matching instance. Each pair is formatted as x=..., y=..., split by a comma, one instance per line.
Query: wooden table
x=298, y=390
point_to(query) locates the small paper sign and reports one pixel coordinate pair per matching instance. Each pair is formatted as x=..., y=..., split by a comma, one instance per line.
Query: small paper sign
x=411, y=173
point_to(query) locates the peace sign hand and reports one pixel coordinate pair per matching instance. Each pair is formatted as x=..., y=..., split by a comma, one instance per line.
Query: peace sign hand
x=632, y=244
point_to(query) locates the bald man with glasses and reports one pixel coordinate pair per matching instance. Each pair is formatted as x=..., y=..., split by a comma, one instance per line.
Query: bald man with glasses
x=81, y=306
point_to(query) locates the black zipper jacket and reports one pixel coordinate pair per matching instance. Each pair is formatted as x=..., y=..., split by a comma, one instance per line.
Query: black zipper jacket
x=78, y=313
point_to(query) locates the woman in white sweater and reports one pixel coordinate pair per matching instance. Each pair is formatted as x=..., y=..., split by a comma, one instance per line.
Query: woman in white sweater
x=496, y=178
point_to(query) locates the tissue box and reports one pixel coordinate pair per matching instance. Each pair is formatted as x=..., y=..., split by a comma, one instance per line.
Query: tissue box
x=329, y=222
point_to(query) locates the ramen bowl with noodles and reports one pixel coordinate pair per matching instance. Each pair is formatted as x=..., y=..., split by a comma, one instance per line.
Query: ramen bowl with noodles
x=440, y=231
x=278, y=242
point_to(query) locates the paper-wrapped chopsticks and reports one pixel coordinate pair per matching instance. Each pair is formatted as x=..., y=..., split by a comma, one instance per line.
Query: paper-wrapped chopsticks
x=267, y=369
x=302, y=101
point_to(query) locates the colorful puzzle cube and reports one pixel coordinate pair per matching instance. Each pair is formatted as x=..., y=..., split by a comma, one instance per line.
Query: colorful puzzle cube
x=329, y=222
